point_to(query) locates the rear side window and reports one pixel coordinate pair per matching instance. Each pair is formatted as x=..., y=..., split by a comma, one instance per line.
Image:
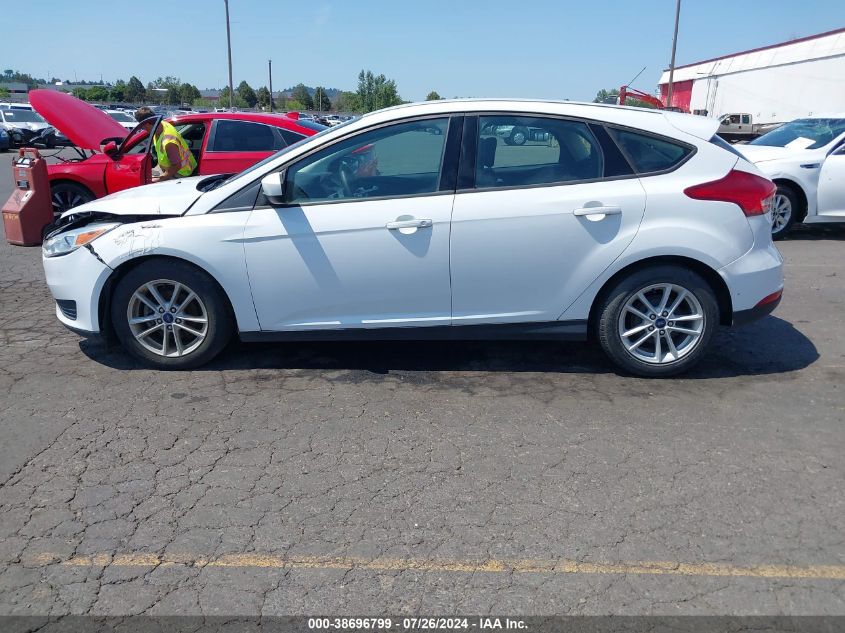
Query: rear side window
x=291, y=137
x=245, y=136
x=648, y=154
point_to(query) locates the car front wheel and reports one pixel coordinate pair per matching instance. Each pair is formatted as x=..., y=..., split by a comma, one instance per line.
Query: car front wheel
x=170, y=315
x=658, y=321
x=66, y=195
x=783, y=211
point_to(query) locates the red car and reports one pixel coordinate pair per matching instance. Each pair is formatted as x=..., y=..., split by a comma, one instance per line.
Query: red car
x=222, y=142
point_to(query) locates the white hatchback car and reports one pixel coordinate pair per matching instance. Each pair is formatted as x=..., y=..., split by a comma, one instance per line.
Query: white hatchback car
x=806, y=160
x=637, y=227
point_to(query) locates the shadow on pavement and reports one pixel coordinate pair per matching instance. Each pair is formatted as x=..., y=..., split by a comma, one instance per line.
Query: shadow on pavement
x=813, y=232
x=770, y=346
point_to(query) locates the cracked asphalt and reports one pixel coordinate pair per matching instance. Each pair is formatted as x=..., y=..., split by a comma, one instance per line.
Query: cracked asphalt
x=427, y=478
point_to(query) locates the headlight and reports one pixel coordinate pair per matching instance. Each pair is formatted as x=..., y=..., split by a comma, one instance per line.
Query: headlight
x=69, y=241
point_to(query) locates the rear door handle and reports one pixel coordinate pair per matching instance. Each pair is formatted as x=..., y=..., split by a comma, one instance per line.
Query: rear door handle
x=409, y=224
x=603, y=211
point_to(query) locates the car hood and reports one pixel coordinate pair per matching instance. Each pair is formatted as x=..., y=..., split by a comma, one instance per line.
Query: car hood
x=173, y=197
x=83, y=124
x=761, y=153
x=26, y=126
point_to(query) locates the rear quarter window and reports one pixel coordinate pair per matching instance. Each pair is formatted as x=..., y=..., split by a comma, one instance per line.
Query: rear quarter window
x=649, y=154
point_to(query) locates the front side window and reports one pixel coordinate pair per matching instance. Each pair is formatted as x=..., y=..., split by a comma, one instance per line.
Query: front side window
x=397, y=160
x=649, y=154
x=245, y=136
x=518, y=151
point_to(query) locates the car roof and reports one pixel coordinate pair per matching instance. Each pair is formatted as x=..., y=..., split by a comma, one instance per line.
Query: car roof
x=277, y=120
x=659, y=121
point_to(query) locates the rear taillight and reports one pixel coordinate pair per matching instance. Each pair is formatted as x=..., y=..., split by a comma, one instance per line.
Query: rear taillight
x=753, y=194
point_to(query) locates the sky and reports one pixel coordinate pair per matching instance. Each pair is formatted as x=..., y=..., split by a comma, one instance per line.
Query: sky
x=543, y=49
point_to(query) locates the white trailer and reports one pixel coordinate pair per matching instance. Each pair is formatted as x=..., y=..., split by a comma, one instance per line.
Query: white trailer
x=769, y=85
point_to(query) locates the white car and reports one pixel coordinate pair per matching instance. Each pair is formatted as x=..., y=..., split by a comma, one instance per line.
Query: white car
x=124, y=118
x=806, y=160
x=637, y=227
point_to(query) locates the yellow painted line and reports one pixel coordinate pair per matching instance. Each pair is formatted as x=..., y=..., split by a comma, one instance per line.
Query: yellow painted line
x=262, y=561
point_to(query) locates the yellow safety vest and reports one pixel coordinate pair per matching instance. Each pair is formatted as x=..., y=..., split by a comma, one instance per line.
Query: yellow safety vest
x=187, y=162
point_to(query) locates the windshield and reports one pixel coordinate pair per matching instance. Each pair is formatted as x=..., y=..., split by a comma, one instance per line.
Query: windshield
x=281, y=152
x=122, y=117
x=803, y=134
x=21, y=116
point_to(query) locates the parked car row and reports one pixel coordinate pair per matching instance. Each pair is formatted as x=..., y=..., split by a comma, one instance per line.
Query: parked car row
x=642, y=230
x=220, y=143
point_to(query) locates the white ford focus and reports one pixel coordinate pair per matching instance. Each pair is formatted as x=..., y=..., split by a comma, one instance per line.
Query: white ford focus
x=638, y=228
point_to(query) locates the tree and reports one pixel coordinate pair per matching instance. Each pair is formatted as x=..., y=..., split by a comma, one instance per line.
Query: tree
x=321, y=101
x=81, y=93
x=301, y=95
x=247, y=94
x=376, y=92
x=135, y=91
x=98, y=93
x=433, y=96
x=263, y=97
x=347, y=102
x=188, y=93
x=606, y=96
x=118, y=91
x=4, y=93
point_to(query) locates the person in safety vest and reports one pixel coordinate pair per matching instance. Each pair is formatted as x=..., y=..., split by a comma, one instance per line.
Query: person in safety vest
x=174, y=156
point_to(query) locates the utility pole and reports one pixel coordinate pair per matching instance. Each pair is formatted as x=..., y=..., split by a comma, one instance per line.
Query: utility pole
x=270, y=70
x=674, y=44
x=229, y=46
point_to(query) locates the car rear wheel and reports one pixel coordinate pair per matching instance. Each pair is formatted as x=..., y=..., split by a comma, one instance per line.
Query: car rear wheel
x=658, y=321
x=784, y=211
x=66, y=195
x=171, y=315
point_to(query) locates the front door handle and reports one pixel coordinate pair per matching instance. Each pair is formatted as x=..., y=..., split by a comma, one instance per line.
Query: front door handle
x=409, y=224
x=597, y=211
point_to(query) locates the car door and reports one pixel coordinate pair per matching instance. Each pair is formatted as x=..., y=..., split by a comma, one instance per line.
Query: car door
x=535, y=223
x=362, y=239
x=831, y=191
x=234, y=144
x=133, y=166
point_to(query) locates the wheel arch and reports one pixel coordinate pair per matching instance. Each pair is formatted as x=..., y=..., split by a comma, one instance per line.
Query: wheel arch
x=104, y=300
x=718, y=285
x=66, y=179
x=799, y=191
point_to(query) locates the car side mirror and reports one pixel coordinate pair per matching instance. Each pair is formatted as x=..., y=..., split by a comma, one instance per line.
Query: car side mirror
x=110, y=149
x=273, y=187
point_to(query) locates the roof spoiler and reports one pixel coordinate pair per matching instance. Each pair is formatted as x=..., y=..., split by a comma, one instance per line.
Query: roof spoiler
x=693, y=124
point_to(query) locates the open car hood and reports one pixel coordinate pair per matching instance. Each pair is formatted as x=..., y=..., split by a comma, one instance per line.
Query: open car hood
x=172, y=197
x=83, y=124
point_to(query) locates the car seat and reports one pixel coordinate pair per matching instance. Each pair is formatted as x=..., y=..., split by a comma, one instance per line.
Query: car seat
x=485, y=176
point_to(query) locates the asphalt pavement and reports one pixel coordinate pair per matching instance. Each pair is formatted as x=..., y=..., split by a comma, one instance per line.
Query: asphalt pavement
x=438, y=478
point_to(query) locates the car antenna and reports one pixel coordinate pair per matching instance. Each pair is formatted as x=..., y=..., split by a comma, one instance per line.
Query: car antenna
x=631, y=83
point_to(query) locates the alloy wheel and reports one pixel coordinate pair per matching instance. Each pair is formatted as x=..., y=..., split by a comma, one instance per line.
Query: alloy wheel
x=661, y=323
x=167, y=318
x=64, y=199
x=781, y=213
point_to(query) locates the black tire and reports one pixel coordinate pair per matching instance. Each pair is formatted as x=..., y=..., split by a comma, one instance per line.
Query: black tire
x=67, y=195
x=794, y=201
x=218, y=315
x=610, y=312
